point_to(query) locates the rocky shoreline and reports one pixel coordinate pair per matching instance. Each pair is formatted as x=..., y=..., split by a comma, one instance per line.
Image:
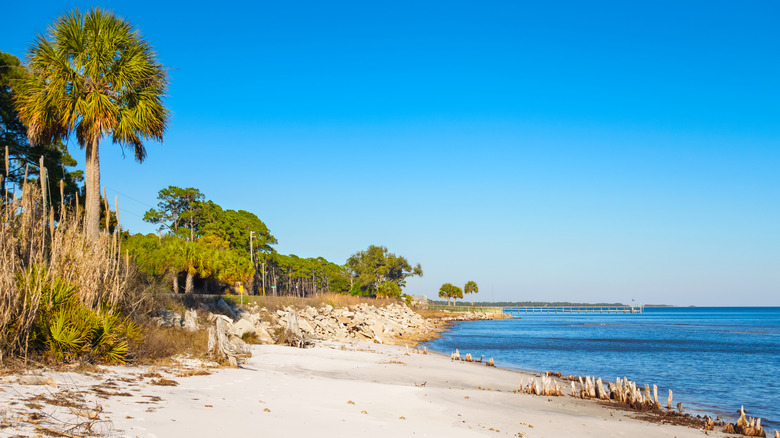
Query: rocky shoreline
x=234, y=326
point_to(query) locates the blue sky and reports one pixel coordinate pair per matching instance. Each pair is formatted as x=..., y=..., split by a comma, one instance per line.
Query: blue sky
x=581, y=151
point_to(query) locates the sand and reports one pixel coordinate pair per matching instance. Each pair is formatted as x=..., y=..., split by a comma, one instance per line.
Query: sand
x=330, y=390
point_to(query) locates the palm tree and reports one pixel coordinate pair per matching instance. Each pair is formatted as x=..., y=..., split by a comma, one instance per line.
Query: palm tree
x=449, y=290
x=94, y=76
x=471, y=288
x=446, y=292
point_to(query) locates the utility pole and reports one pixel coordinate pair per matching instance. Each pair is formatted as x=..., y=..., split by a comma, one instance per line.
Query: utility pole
x=252, y=254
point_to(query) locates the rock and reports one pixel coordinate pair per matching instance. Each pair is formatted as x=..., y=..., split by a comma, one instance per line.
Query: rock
x=168, y=318
x=305, y=326
x=262, y=335
x=225, y=308
x=241, y=328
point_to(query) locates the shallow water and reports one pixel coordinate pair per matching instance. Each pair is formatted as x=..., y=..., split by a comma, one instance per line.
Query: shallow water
x=713, y=359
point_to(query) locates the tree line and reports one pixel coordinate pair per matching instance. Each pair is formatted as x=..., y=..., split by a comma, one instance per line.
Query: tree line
x=206, y=248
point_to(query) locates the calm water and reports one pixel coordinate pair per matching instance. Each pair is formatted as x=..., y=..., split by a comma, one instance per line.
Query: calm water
x=713, y=359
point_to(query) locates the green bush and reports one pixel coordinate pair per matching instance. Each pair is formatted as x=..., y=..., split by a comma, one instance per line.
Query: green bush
x=65, y=329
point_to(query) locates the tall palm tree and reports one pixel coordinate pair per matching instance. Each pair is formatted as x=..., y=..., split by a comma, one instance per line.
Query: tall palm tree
x=95, y=76
x=471, y=288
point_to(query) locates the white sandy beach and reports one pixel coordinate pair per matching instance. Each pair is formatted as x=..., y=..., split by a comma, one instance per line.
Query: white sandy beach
x=331, y=390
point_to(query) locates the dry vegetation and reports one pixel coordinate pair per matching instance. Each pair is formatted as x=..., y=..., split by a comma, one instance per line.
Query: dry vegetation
x=179, y=303
x=160, y=344
x=335, y=300
x=41, y=261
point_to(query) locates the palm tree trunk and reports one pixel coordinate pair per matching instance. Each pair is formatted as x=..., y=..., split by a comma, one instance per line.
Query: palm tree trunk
x=189, y=286
x=92, y=204
x=175, y=282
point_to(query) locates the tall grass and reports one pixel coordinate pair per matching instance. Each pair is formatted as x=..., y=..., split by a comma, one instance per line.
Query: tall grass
x=37, y=254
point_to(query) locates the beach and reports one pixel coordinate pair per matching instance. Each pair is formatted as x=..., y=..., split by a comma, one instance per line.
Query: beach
x=329, y=390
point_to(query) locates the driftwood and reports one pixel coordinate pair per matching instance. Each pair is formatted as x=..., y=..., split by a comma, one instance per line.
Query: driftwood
x=490, y=362
x=31, y=379
x=455, y=355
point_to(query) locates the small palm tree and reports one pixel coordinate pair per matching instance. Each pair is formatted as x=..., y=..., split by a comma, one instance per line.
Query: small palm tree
x=94, y=76
x=471, y=288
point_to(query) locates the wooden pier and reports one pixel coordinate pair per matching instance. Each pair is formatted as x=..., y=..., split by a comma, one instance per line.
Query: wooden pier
x=573, y=309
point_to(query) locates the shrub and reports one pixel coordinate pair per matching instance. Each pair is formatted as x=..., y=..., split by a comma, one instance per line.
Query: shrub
x=59, y=289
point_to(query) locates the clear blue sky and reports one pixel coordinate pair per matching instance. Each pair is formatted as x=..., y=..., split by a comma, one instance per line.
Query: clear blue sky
x=581, y=151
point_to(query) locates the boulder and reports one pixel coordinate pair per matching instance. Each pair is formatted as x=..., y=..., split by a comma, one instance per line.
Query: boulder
x=262, y=336
x=225, y=308
x=305, y=326
x=241, y=328
x=168, y=318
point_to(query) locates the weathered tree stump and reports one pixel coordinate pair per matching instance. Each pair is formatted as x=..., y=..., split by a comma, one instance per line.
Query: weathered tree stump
x=222, y=348
x=191, y=320
x=293, y=336
x=746, y=426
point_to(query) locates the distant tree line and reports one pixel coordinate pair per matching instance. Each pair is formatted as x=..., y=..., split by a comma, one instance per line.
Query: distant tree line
x=536, y=304
x=212, y=250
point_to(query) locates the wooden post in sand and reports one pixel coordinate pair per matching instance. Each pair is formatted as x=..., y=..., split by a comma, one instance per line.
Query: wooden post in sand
x=669, y=400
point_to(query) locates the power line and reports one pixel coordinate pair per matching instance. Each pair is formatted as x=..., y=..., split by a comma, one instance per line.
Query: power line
x=129, y=197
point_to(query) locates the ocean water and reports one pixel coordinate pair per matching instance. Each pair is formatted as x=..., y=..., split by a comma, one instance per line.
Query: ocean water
x=713, y=358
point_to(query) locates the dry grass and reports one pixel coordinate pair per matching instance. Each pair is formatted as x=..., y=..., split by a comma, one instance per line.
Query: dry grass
x=34, y=253
x=335, y=300
x=161, y=343
x=434, y=313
